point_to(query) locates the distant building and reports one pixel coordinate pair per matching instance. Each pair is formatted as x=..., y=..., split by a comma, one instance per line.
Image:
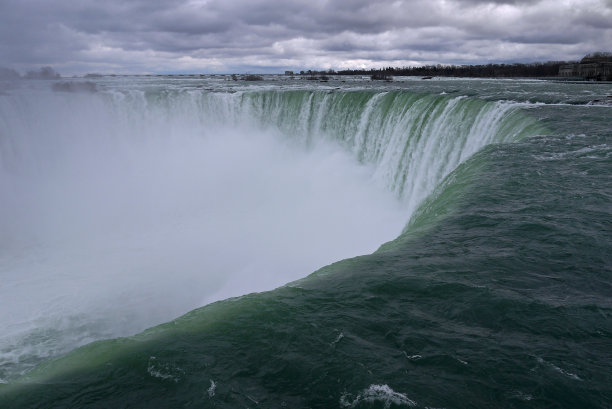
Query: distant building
x=593, y=67
x=569, y=70
x=288, y=72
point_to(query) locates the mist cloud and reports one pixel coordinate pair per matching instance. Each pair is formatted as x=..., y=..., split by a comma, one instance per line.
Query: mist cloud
x=265, y=35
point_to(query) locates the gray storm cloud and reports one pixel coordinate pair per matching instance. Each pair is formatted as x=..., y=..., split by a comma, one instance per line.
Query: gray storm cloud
x=265, y=35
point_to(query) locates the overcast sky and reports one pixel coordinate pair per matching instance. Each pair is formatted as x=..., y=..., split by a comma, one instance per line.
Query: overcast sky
x=258, y=36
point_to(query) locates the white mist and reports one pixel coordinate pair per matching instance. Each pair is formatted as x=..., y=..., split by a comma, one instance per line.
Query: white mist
x=117, y=215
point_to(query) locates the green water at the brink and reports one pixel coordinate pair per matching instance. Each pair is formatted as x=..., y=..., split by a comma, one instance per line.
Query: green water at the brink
x=498, y=294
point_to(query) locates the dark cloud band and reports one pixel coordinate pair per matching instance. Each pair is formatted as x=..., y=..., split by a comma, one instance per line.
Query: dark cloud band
x=230, y=35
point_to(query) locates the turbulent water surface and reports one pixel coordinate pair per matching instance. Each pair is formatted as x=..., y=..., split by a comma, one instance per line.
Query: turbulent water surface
x=460, y=234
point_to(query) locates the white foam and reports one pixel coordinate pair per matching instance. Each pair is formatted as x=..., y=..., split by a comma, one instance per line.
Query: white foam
x=164, y=370
x=413, y=357
x=559, y=370
x=213, y=387
x=338, y=338
x=377, y=393
x=523, y=396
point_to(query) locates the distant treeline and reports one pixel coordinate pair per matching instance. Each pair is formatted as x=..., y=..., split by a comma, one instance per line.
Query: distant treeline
x=531, y=70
